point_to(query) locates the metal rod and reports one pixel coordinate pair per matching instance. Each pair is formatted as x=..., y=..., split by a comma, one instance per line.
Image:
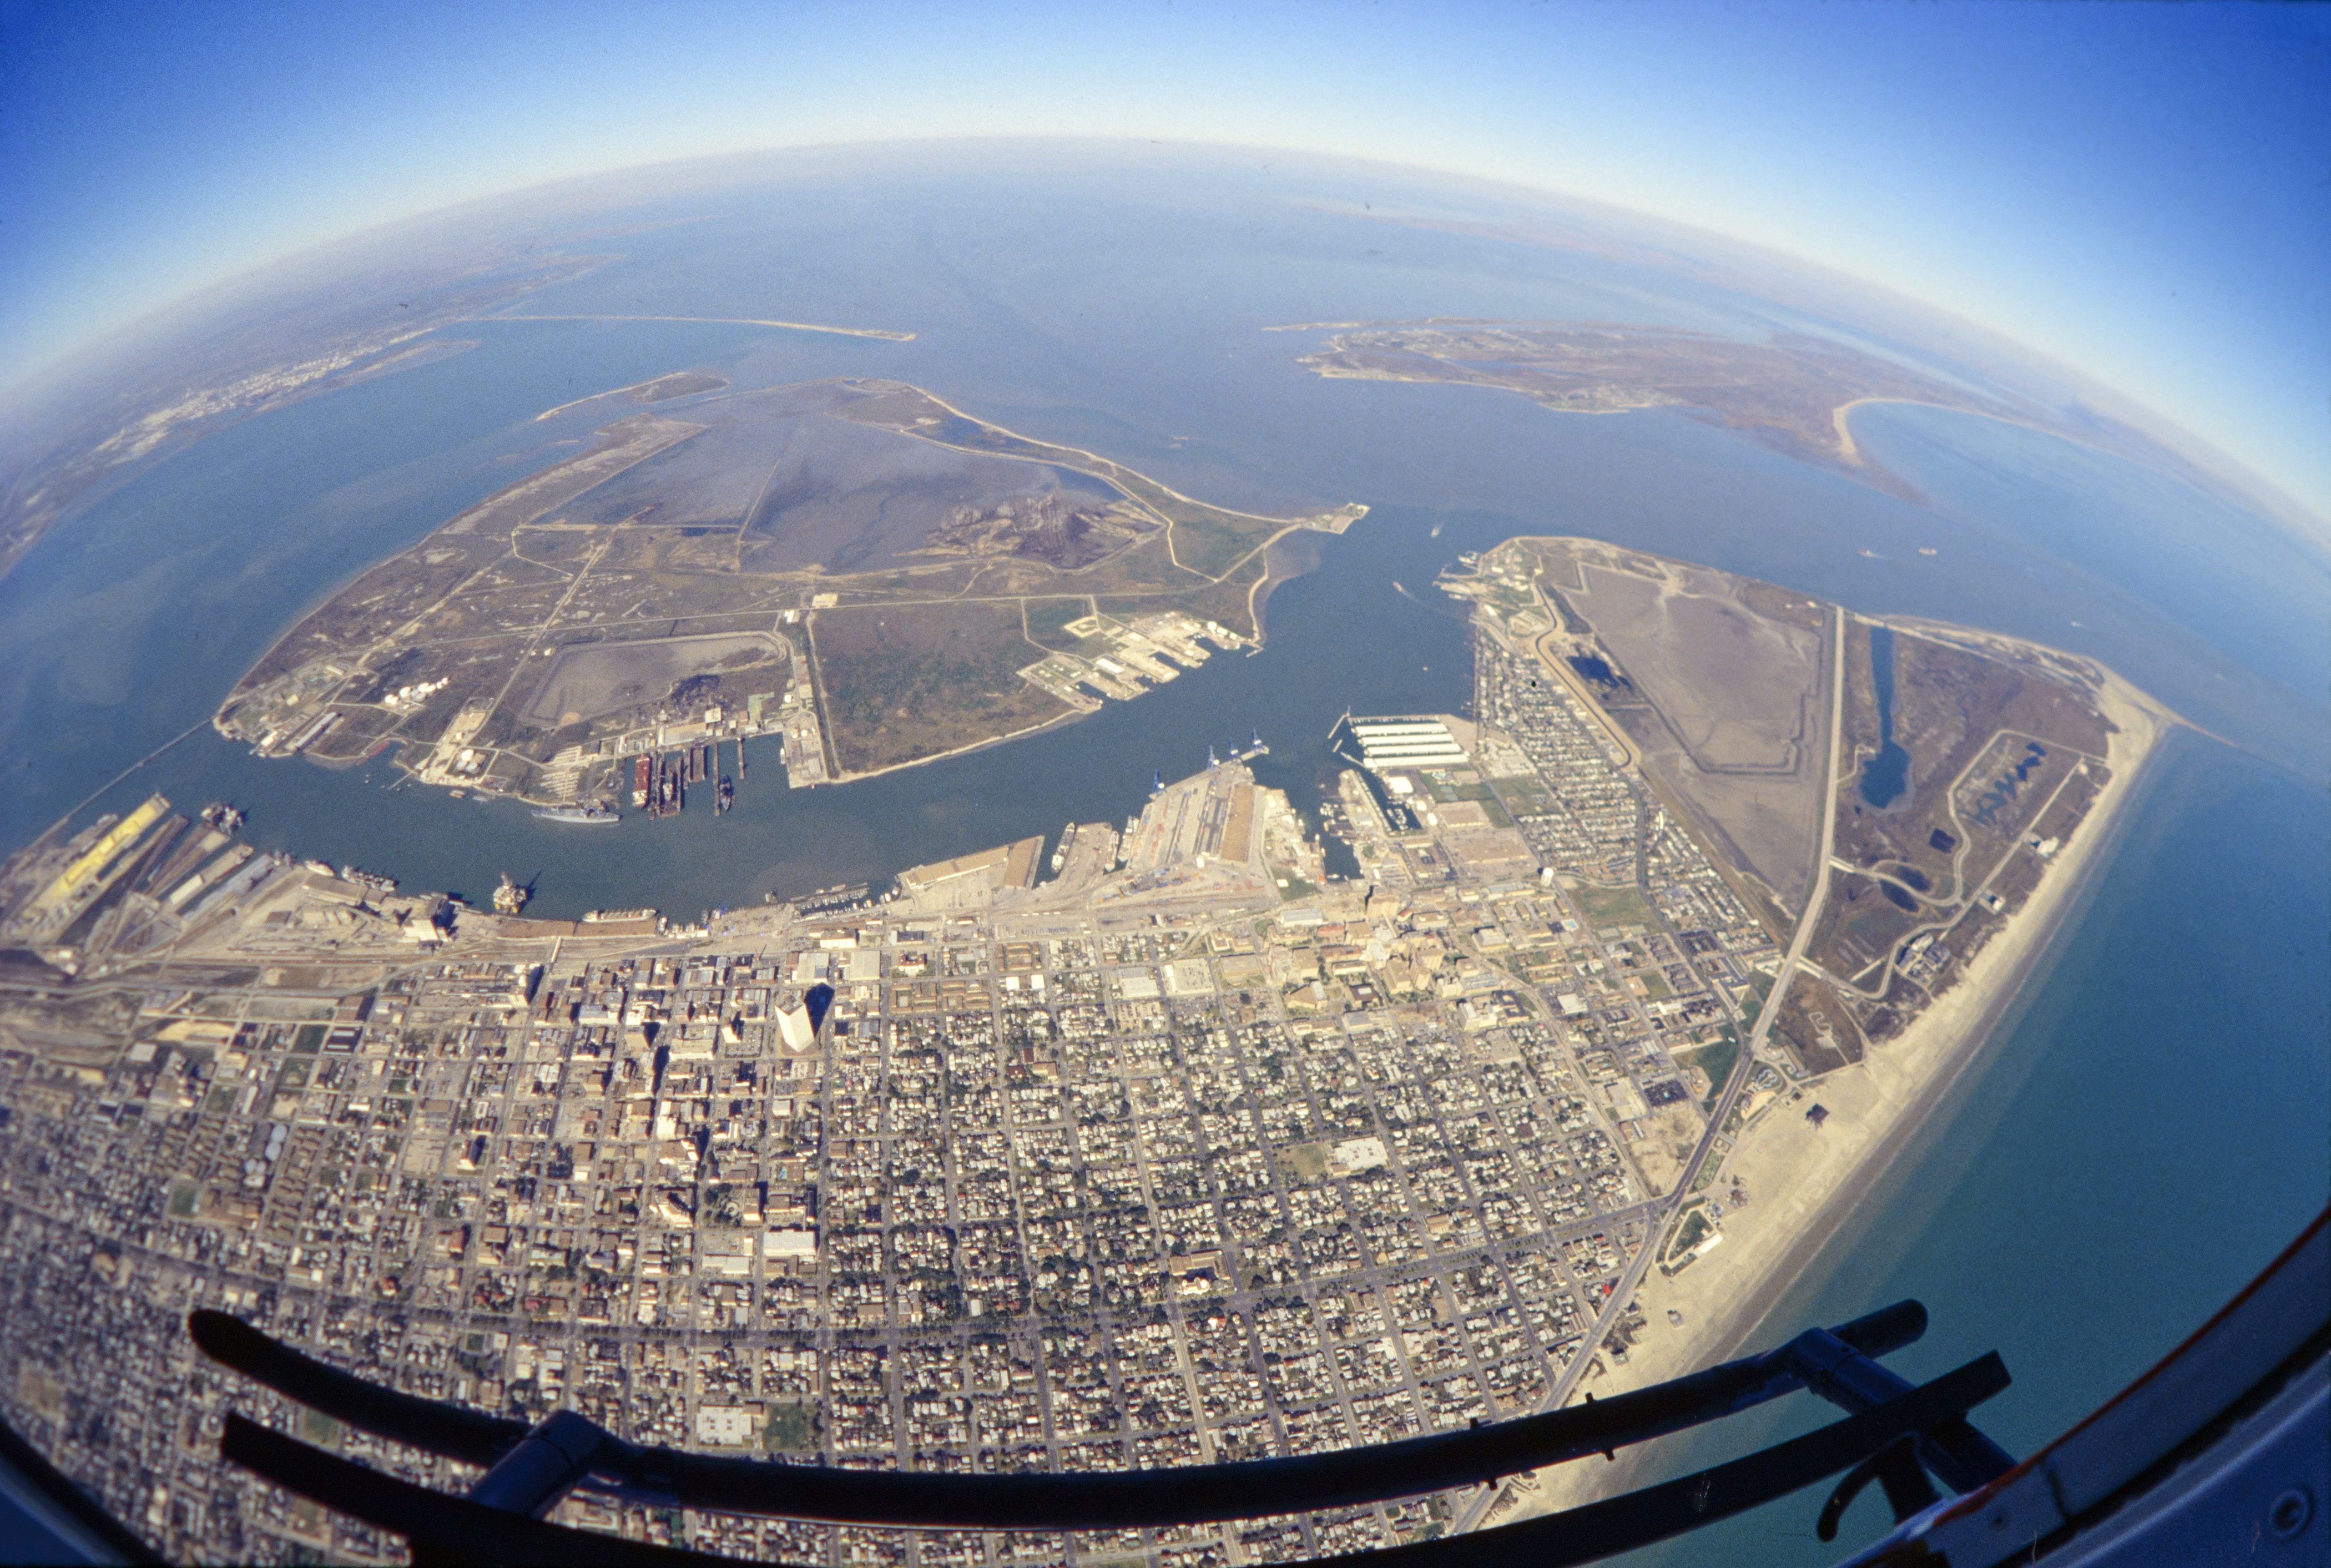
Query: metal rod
x=454, y=1430
x=458, y=1528
x=1190, y=1495
x=1635, y=1519
x=535, y=1477
x=1960, y=1457
x=442, y=1528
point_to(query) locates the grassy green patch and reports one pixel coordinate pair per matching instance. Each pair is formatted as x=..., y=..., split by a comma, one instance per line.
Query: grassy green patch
x=1304, y=1161
x=1213, y=547
x=1695, y=1228
x=908, y=681
x=1714, y=1058
x=792, y=1428
x=1523, y=797
x=1603, y=906
x=1048, y=617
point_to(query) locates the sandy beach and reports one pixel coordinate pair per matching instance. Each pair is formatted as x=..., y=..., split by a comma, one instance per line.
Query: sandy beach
x=1803, y=1181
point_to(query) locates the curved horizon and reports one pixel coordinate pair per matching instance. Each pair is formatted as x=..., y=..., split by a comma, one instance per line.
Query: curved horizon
x=568, y=196
x=2128, y=195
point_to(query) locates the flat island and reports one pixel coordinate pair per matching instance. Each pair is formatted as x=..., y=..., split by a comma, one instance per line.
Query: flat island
x=1789, y=392
x=1164, y=1147
x=854, y=565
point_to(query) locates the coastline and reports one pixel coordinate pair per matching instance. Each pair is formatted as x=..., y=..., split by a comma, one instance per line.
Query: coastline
x=1805, y=1183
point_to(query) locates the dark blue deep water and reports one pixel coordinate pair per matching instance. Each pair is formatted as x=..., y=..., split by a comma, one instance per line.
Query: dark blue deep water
x=2146, y=1130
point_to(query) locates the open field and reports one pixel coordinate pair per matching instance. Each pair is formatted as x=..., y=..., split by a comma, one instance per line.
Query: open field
x=702, y=538
x=1716, y=682
x=1607, y=906
x=901, y=687
x=587, y=679
x=1993, y=742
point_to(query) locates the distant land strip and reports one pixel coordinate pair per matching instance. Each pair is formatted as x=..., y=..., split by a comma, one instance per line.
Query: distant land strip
x=886, y=336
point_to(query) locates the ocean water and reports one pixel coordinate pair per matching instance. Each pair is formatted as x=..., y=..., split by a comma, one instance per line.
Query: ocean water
x=2144, y=1132
x=2148, y=1127
x=2145, y=1128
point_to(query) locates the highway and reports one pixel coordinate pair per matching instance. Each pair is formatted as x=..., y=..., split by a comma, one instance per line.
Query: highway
x=1663, y=1214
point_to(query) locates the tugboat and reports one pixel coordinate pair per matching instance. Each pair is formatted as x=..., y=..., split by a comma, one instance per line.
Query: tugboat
x=510, y=897
x=726, y=797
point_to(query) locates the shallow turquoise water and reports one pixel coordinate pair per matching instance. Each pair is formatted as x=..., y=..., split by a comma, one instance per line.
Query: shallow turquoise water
x=2151, y=1127
x=2145, y=1136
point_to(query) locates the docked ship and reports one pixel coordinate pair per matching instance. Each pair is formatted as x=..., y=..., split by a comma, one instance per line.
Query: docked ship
x=596, y=816
x=640, y=782
x=510, y=897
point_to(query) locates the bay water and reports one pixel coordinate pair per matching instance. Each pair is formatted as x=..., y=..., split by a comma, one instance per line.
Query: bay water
x=2147, y=1126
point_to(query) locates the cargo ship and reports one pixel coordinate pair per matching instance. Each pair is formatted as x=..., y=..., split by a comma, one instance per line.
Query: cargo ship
x=597, y=816
x=639, y=783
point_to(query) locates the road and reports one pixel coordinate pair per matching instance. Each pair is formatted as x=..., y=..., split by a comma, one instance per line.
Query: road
x=1665, y=1211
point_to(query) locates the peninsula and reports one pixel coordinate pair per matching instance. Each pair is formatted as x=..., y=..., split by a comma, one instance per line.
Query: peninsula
x=1908, y=808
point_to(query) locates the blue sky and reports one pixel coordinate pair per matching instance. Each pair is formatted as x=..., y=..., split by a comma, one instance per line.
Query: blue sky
x=2143, y=192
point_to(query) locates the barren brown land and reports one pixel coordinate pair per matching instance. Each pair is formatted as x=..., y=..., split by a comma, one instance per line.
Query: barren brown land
x=1789, y=393
x=1238, y=1161
x=1907, y=928
x=875, y=574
